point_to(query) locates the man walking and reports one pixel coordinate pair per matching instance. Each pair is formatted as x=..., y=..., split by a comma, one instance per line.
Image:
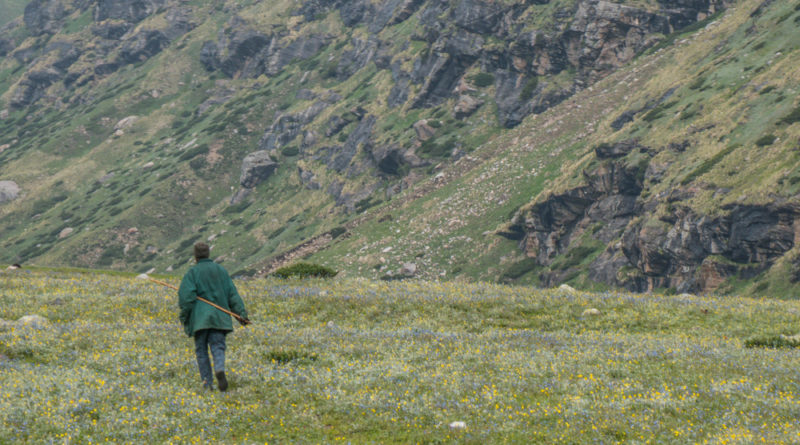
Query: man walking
x=209, y=325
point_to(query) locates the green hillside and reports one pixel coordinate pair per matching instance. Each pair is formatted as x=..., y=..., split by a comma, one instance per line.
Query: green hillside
x=378, y=136
x=732, y=108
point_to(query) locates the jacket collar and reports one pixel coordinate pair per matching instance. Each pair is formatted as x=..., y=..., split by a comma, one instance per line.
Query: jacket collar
x=204, y=260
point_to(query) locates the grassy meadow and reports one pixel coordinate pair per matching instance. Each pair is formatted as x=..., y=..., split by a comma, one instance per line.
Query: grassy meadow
x=351, y=360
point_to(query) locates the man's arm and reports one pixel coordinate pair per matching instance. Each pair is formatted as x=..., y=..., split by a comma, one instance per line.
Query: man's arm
x=187, y=297
x=235, y=300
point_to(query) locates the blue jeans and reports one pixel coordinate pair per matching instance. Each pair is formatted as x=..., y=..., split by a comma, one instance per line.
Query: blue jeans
x=215, y=340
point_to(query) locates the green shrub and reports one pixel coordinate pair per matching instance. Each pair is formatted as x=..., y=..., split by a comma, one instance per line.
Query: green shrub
x=192, y=152
x=518, y=269
x=285, y=356
x=290, y=151
x=698, y=83
x=46, y=204
x=792, y=117
x=277, y=232
x=336, y=232
x=765, y=140
x=772, y=342
x=529, y=88
x=236, y=208
x=709, y=163
x=482, y=80
x=304, y=270
x=198, y=164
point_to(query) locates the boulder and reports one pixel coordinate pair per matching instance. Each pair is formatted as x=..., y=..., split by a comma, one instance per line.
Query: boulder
x=256, y=168
x=9, y=191
x=457, y=425
x=33, y=321
x=126, y=122
x=65, y=232
x=465, y=106
x=424, y=130
x=408, y=269
x=591, y=312
x=566, y=288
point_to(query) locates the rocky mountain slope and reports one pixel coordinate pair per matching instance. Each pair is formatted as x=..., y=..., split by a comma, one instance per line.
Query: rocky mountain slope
x=344, y=130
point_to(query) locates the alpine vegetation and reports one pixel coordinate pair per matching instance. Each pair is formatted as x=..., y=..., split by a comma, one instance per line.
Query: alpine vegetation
x=352, y=360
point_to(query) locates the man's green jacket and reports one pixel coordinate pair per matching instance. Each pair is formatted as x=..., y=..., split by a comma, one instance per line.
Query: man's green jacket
x=211, y=281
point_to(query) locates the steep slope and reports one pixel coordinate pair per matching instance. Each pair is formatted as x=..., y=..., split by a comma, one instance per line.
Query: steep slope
x=677, y=171
x=130, y=130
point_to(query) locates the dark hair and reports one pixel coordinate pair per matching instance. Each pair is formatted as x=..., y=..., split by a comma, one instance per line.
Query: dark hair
x=201, y=250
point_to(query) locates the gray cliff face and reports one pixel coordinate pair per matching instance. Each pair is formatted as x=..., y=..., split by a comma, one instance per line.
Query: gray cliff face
x=601, y=36
x=44, y=16
x=684, y=249
x=592, y=40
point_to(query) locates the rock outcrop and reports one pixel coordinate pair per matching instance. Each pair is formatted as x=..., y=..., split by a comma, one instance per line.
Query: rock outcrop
x=9, y=191
x=682, y=249
x=695, y=253
x=130, y=11
x=287, y=127
x=243, y=51
x=548, y=227
x=257, y=167
x=594, y=40
x=44, y=16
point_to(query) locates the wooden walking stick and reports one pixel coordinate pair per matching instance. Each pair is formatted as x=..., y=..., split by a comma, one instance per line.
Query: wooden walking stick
x=238, y=317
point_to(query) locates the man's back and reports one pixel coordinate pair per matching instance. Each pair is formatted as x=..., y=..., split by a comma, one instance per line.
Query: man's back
x=211, y=281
